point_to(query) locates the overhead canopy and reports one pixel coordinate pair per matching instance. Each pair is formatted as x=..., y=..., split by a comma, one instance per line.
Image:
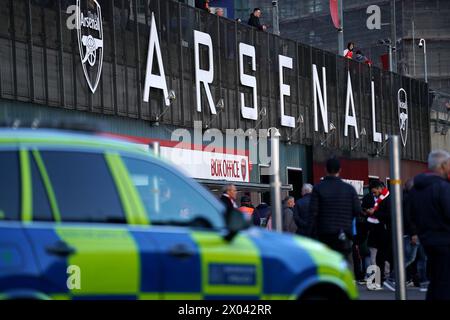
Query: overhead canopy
x=242, y=186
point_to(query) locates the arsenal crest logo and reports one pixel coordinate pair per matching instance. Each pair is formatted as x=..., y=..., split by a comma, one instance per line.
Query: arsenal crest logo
x=244, y=169
x=403, y=114
x=90, y=40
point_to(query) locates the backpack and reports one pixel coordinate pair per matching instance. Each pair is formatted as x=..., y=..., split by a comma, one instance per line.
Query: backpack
x=260, y=215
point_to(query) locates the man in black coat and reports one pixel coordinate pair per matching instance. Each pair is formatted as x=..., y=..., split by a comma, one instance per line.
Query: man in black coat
x=360, y=247
x=430, y=211
x=254, y=20
x=228, y=197
x=261, y=215
x=202, y=4
x=302, y=213
x=334, y=204
x=380, y=233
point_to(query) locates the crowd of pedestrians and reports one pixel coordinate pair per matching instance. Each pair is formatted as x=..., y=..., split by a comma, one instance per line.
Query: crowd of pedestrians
x=361, y=230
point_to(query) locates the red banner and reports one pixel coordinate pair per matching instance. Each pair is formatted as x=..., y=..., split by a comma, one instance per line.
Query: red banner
x=385, y=61
x=334, y=10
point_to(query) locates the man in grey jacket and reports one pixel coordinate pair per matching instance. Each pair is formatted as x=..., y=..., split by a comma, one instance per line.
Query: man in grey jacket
x=288, y=215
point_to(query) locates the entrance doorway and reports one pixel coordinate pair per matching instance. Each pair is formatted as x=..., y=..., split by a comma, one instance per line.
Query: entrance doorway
x=295, y=178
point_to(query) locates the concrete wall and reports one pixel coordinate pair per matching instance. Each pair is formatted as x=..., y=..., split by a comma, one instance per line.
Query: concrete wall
x=440, y=130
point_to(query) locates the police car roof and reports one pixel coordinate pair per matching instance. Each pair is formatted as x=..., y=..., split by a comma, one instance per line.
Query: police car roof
x=67, y=137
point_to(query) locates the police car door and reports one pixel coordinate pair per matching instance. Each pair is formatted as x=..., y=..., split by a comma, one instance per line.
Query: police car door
x=79, y=230
x=17, y=261
x=188, y=225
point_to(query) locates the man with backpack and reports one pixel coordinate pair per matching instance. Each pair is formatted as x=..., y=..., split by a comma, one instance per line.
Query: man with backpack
x=333, y=206
x=261, y=215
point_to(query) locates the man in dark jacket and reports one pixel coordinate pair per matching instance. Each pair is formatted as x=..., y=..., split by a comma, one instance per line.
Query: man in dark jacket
x=381, y=230
x=415, y=258
x=430, y=211
x=202, y=4
x=261, y=215
x=302, y=213
x=228, y=197
x=334, y=204
x=254, y=20
x=360, y=247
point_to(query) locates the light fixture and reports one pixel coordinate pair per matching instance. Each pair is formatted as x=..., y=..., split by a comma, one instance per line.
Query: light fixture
x=385, y=42
x=262, y=114
x=378, y=152
x=35, y=124
x=362, y=133
x=299, y=121
x=171, y=97
x=273, y=132
x=252, y=134
x=331, y=129
x=220, y=106
x=423, y=44
x=16, y=124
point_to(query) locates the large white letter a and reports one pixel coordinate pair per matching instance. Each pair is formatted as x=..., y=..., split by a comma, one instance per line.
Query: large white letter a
x=153, y=80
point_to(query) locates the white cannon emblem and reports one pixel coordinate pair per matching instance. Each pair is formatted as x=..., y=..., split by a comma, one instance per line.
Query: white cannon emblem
x=90, y=40
x=403, y=114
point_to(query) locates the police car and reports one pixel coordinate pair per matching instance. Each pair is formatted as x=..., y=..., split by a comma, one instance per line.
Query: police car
x=90, y=217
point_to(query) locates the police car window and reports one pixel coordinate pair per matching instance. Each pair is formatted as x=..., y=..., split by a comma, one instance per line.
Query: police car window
x=41, y=205
x=83, y=186
x=169, y=199
x=9, y=186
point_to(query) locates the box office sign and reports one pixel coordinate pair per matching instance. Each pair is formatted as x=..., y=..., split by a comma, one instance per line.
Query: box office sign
x=209, y=165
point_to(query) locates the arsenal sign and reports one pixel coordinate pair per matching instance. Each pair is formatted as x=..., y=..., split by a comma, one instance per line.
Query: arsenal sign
x=90, y=40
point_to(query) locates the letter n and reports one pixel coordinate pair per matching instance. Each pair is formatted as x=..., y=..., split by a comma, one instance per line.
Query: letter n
x=322, y=99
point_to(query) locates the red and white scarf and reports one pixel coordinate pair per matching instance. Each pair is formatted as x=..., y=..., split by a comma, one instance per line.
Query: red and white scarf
x=384, y=194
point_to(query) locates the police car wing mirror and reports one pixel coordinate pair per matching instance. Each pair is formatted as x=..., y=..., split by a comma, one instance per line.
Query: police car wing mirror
x=235, y=222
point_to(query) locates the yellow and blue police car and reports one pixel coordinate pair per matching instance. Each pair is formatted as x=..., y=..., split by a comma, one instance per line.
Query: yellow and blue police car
x=90, y=217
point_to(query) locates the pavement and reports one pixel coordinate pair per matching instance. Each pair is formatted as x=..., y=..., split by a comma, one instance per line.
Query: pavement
x=412, y=293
